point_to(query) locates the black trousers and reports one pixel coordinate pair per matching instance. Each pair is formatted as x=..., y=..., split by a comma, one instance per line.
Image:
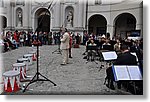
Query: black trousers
x=70, y=52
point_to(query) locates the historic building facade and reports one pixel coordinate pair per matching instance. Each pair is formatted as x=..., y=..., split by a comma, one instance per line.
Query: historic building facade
x=94, y=16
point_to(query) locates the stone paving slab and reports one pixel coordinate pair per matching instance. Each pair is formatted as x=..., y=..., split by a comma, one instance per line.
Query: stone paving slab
x=75, y=78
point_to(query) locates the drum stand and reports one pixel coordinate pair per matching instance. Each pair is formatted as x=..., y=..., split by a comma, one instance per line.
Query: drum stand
x=36, y=76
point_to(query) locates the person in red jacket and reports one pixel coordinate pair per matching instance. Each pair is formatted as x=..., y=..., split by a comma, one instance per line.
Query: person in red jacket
x=70, y=45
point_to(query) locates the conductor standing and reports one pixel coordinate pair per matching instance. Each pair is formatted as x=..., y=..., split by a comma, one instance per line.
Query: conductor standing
x=64, y=46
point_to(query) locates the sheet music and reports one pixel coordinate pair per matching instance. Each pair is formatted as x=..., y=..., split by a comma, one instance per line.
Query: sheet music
x=109, y=55
x=121, y=73
x=134, y=72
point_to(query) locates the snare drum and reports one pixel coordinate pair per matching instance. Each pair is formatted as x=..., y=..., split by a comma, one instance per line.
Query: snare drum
x=24, y=60
x=11, y=81
x=21, y=67
x=29, y=56
x=33, y=55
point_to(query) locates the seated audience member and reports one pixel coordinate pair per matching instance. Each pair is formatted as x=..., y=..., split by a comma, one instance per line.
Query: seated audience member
x=6, y=44
x=14, y=43
x=2, y=44
x=35, y=43
x=125, y=58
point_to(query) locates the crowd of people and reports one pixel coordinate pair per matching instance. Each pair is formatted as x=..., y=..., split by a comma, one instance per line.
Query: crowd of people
x=13, y=40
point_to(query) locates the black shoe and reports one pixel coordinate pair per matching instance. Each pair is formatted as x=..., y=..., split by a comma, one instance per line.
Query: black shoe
x=63, y=64
x=111, y=86
x=92, y=59
x=70, y=57
x=83, y=54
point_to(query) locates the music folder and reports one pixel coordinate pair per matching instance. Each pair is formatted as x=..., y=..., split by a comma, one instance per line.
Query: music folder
x=126, y=72
x=110, y=55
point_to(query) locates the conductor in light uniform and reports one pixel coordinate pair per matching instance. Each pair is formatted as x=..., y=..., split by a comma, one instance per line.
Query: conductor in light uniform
x=64, y=46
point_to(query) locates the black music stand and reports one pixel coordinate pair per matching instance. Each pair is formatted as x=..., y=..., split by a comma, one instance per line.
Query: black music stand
x=36, y=76
x=108, y=47
x=109, y=56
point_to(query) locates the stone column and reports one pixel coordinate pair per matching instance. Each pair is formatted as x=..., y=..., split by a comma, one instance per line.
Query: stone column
x=26, y=15
x=110, y=29
x=29, y=14
x=10, y=15
x=57, y=14
x=80, y=14
x=75, y=16
x=140, y=27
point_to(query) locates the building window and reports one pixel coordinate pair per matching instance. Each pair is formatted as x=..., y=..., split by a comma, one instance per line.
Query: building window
x=98, y=2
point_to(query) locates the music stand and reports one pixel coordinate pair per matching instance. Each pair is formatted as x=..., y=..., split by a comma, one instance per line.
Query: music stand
x=127, y=73
x=108, y=47
x=109, y=56
x=36, y=76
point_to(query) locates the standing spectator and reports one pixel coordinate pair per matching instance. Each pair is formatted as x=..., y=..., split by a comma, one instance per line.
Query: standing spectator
x=77, y=38
x=41, y=37
x=45, y=38
x=16, y=37
x=85, y=38
x=50, y=40
x=70, y=45
x=21, y=39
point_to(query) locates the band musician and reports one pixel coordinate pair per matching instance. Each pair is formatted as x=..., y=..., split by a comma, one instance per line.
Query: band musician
x=91, y=50
x=125, y=58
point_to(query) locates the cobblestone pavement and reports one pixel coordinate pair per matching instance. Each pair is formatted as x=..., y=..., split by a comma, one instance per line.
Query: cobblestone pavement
x=77, y=77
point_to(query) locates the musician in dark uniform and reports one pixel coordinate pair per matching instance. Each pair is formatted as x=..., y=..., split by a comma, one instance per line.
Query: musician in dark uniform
x=91, y=53
x=125, y=58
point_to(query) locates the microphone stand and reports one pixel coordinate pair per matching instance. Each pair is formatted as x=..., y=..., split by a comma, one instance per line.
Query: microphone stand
x=36, y=76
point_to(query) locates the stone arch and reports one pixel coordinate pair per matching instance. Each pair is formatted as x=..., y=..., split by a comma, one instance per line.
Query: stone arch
x=39, y=15
x=123, y=23
x=3, y=22
x=97, y=24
